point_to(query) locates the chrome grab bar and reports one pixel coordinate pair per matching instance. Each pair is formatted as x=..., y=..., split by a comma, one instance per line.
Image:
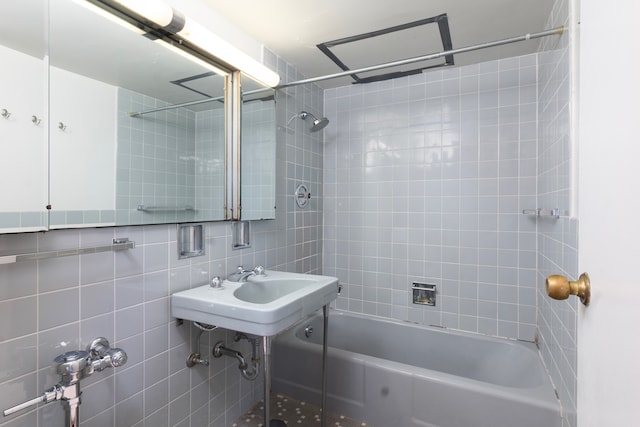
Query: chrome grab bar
x=552, y=213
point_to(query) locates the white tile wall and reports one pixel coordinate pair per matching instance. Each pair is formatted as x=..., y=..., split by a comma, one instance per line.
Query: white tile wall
x=52, y=306
x=425, y=178
x=557, y=240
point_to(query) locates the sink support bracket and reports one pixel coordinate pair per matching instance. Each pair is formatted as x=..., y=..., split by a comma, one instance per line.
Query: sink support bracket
x=266, y=356
x=325, y=329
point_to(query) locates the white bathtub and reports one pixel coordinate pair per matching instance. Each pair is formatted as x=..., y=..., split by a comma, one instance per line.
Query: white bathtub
x=390, y=373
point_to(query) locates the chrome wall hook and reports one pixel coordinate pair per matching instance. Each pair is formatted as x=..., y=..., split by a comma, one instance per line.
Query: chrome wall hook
x=62, y=126
x=35, y=120
x=5, y=113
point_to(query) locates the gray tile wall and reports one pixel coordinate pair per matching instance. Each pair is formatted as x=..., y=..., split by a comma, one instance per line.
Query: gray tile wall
x=557, y=239
x=258, y=156
x=49, y=307
x=425, y=178
x=156, y=160
x=210, y=163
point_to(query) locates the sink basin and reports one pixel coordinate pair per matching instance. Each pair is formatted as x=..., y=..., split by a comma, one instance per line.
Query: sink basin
x=268, y=291
x=264, y=305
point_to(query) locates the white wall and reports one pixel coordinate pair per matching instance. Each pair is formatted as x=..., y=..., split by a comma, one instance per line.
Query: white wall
x=608, y=343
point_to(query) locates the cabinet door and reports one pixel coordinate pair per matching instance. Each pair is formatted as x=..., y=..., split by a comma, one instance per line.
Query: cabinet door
x=23, y=116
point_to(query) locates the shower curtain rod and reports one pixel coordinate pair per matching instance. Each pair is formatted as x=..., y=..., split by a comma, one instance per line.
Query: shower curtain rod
x=554, y=31
x=196, y=102
x=529, y=36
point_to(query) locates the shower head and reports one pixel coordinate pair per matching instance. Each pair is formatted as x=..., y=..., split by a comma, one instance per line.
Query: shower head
x=318, y=124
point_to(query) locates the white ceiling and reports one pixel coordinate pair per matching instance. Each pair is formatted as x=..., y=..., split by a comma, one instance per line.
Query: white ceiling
x=293, y=28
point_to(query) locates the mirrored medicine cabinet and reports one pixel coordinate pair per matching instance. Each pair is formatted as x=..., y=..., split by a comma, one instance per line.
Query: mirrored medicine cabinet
x=103, y=125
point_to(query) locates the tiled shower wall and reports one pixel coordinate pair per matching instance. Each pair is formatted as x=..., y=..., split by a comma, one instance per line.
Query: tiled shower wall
x=49, y=307
x=425, y=179
x=557, y=239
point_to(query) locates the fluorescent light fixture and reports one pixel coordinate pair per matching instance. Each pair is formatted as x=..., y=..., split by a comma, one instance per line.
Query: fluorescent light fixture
x=155, y=11
x=166, y=17
x=192, y=58
x=109, y=16
x=228, y=53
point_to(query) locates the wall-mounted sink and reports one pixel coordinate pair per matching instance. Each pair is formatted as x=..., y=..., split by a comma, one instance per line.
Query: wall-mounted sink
x=263, y=305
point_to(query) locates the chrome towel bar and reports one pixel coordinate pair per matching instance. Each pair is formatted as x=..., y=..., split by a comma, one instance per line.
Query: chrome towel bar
x=151, y=209
x=118, y=245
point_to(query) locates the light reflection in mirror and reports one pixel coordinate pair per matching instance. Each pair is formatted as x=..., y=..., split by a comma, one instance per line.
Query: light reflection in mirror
x=109, y=168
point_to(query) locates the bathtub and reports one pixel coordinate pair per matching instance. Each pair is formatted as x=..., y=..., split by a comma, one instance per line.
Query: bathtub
x=390, y=373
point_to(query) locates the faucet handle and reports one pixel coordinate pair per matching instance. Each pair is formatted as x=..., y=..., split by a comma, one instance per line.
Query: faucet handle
x=216, y=282
x=259, y=270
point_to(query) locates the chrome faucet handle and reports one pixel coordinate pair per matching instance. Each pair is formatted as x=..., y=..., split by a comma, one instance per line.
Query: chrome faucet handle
x=98, y=347
x=241, y=274
x=216, y=282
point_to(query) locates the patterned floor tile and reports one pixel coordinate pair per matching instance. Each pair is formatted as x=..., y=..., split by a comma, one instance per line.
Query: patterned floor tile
x=294, y=413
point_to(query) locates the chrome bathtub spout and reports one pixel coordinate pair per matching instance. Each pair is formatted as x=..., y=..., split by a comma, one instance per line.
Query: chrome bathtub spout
x=241, y=275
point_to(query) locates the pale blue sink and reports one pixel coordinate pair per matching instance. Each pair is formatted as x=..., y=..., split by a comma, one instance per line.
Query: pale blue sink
x=264, y=305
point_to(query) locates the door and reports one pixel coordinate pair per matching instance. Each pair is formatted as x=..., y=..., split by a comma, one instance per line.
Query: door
x=609, y=214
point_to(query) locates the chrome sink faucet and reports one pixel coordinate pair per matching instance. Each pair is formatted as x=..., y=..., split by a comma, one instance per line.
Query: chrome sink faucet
x=241, y=275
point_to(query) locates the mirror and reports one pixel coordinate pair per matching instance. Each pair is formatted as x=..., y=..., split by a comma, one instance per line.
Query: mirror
x=121, y=152
x=92, y=133
x=23, y=126
x=257, y=152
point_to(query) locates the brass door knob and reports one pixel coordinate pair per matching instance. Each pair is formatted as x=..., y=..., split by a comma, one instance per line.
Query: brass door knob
x=559, y=287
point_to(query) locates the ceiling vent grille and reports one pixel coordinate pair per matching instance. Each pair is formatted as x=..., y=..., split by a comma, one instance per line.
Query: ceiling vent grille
x=391, y=42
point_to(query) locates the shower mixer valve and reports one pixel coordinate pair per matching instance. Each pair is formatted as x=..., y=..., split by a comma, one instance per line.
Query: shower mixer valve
x=73, y=366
